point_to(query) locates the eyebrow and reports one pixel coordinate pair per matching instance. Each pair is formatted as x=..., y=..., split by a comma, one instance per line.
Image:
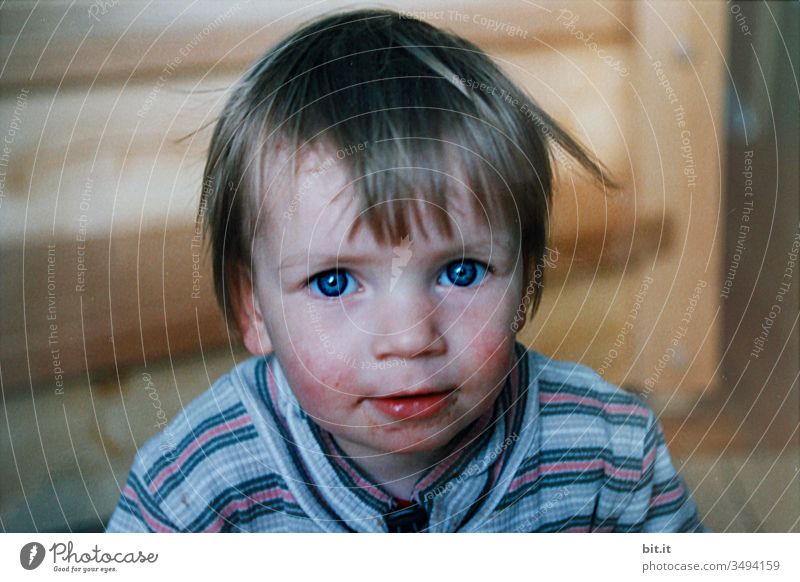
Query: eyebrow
x=345, y=257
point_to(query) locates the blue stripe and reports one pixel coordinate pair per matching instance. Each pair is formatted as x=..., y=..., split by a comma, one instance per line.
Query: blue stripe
x=150, y=504
x=237, y=519
x=244, y=490
x=572, y=408
x=223, y=440
x=667, y=509
x=584, y=521
x=194, y=433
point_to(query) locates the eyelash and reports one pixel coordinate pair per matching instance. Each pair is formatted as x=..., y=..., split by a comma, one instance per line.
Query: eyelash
x=488, y=269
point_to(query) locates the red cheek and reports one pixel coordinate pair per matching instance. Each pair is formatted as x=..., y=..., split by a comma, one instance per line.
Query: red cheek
x=321, y=382
x=493, y=353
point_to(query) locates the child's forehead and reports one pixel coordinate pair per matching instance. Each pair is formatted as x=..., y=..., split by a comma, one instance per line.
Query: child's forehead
x=325, y=204
x=337, y=236
x=338, y=202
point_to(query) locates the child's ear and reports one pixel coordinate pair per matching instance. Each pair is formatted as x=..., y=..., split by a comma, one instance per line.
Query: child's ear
x=249, y=316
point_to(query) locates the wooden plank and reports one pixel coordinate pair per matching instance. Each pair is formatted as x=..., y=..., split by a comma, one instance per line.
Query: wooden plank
x=105, y=306
x=678, y=105
x=111, y=41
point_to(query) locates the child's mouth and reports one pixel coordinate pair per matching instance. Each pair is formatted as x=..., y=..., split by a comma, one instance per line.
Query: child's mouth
x=417, y=405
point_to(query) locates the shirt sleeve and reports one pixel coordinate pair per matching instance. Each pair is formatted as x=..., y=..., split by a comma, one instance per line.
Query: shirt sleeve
x=661, y=501
x=139, y=510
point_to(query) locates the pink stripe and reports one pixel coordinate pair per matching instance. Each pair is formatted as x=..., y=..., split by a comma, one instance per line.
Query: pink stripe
x=550, y=468
x=626, y=409
x=498, y=467
x=240, y=504
x=619, y=472
x=176, y=465
x=577, y=529
x=524, y=478
x=667, y=497
x=610, y=408
x=151, y=521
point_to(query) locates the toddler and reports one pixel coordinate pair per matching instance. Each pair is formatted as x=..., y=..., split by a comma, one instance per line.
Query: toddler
x=376, y=200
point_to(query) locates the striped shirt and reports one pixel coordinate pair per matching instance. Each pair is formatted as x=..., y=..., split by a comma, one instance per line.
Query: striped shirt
x=561, y=451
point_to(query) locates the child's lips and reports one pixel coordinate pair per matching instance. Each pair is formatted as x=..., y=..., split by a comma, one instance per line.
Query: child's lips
x=417, y=405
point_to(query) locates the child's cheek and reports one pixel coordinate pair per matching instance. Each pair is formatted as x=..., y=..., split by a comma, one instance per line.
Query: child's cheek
x=322, y=383
x=489, y=357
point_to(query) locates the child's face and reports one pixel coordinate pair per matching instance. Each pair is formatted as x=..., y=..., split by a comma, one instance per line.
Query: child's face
x=395, y=319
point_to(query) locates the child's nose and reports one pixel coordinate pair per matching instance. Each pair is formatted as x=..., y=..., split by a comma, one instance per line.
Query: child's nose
x=407, y=328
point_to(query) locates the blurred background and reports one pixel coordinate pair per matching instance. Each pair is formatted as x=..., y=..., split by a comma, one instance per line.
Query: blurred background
x=682, y=287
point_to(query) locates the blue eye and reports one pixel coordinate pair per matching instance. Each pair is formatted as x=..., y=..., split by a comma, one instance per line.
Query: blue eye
x=333, y=283
x=463, y=273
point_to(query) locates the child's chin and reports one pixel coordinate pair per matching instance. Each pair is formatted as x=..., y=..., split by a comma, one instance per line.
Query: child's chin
x=413, y=442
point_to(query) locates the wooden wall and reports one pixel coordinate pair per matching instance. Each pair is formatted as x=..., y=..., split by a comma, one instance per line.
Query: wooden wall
x=101, y=95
